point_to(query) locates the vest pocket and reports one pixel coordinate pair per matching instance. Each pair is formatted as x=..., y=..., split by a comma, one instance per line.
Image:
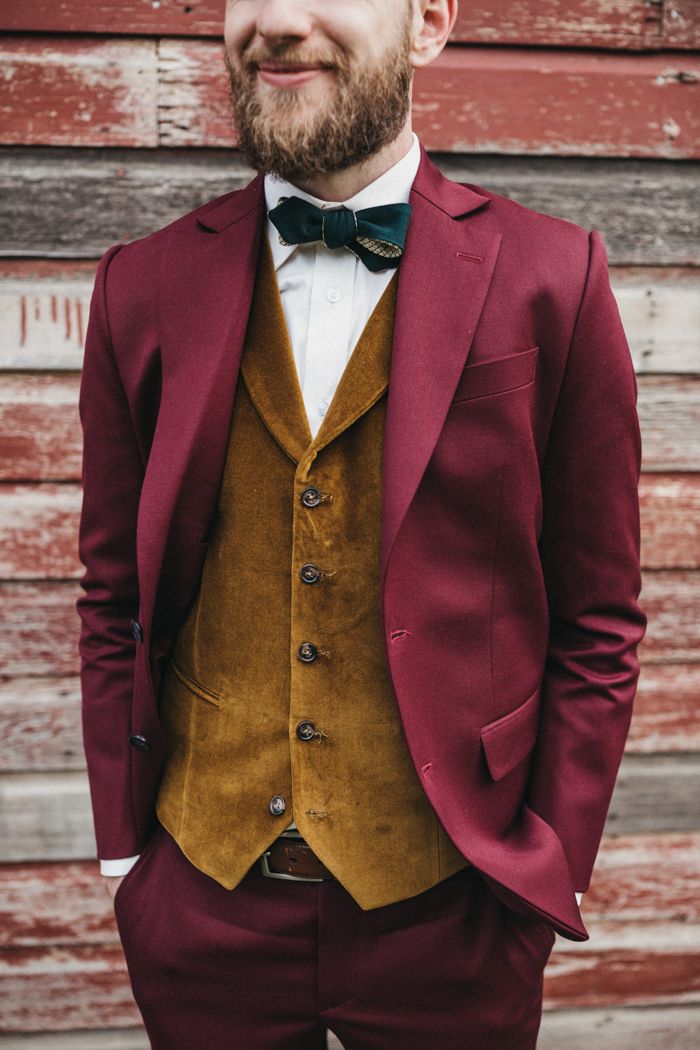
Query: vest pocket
x=196, y=687
x=507, y=741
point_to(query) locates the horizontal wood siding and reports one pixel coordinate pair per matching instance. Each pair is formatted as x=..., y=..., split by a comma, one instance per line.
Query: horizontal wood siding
x=114, y=121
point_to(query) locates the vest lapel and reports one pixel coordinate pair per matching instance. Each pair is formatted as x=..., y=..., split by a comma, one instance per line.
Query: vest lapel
x=270, y=374
x=366, y=375
x=268, y=367
x=444, y=277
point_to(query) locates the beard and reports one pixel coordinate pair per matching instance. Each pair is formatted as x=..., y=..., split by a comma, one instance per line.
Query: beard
x=366, y=110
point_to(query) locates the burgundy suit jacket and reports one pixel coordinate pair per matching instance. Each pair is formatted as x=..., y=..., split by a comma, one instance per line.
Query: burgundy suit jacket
x=509, y=532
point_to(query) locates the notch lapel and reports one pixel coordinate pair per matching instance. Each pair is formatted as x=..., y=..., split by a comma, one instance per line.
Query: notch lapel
x=444, y=277
x=205, y=288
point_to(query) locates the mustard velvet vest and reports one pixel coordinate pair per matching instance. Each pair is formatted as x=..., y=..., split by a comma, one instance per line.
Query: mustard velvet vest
x=277, y=702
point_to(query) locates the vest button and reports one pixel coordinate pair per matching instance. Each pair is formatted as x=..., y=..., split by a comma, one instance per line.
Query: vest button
x=307, y=652
x=310, y=573
x=306, y=730
x=311, y=497
x=136, y=630
x=277, y=805
x=139, y=741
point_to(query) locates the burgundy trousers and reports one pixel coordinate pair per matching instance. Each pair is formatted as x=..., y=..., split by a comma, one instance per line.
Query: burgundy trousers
x=273, y=964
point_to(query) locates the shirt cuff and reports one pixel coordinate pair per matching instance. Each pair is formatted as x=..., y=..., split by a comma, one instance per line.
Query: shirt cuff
x=118, y=867
x=578, y=896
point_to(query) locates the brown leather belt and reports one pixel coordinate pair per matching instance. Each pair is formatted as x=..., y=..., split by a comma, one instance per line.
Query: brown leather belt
x=292, y=858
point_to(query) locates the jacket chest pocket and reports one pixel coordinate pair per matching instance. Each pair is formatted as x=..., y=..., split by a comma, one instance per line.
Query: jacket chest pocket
x=497, y=377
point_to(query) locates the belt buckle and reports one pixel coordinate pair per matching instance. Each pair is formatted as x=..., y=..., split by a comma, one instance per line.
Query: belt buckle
x=265, y=868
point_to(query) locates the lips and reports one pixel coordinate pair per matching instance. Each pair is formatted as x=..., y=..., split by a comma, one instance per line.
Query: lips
x=288, y=74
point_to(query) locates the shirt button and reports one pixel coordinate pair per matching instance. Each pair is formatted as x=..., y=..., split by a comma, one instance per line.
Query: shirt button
x=333, y=295
x=322, y=407
x=310, y=573
x=277, y=805
x=307, y=652
x=306, y=730
x=311, y=497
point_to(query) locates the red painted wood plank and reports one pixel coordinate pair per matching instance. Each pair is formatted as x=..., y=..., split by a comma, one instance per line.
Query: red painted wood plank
x=500, y=100
x=583, y=23
x=39, y=527
x=681, y=23
x=666, y=710
x=489, y=100
x=40, y=435
x=78, y=92
x=40, y=632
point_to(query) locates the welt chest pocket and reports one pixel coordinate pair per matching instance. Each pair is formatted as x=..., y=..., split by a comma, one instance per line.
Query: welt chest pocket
x=497, y=377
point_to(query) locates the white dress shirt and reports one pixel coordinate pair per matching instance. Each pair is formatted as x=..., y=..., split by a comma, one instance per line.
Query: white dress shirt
x=328, y=295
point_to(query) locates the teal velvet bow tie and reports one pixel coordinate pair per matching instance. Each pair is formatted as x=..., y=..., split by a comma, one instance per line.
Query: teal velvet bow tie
x=374, y=235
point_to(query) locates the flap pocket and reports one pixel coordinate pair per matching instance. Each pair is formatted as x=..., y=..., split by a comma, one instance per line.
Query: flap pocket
x=196, y=687
x=508, y=740
x=495, y=377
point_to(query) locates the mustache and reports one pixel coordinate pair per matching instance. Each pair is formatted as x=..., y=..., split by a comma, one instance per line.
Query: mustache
x=292, y=55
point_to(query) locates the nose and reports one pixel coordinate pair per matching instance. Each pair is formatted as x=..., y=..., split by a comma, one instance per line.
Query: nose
x=280, y=20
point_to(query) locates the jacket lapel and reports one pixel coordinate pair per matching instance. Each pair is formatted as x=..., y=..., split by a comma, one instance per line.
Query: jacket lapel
x=205, y=288
x=444, y=276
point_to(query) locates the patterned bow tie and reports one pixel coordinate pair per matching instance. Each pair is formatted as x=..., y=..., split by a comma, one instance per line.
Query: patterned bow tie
x=374, y=235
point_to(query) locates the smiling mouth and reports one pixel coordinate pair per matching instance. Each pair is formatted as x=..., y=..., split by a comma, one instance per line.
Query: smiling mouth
x=289, y=74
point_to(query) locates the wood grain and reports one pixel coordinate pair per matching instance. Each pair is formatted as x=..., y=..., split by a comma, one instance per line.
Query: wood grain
x=81, y=91
x=583, y=23
x=39, y=527
x=78, y=91
x=44, y=306
x=41, y=624
x=75, y=203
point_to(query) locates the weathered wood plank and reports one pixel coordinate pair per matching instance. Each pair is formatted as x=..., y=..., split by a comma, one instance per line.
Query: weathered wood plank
x=681, y=23
x=39, y=531
x=646, y=878
x=583, y=23
x=65, y=988
x=40, y=724
x=46, y=816
x=40, y=718
x=75, y=203
x=625, y=964
x=113, y=1039
x=41, y=624
x=619, y=1028
x=656, y=793
x=44, y=307
x=660, y=310
x=670, y=512
x=40, y=434
x=638, y=880
x=491, y=100
x=39, y=527
x=669, y=416
x=79, y=91
x=666, y=709
x=640, y=1028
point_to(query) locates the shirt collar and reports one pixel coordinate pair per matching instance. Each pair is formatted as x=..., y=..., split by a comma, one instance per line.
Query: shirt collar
x=393, y=187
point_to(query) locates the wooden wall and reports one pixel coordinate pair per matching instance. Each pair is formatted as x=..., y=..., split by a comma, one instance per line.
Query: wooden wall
x=114, y=121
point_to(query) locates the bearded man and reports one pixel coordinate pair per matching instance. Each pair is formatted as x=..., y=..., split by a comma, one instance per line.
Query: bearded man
x=361, y=538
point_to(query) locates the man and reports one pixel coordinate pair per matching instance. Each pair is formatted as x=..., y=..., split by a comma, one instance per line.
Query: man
x=360, y=529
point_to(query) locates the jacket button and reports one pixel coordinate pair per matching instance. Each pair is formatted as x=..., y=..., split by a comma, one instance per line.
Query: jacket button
x=139, y=742
x=311, y=497
x=306, y=730
x=307, y=652
x=310, y=573
x=277, y=805
x=136, y=630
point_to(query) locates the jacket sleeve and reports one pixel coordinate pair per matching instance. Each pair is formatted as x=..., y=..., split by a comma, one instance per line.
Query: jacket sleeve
x=589, y=548
x=112, y=475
